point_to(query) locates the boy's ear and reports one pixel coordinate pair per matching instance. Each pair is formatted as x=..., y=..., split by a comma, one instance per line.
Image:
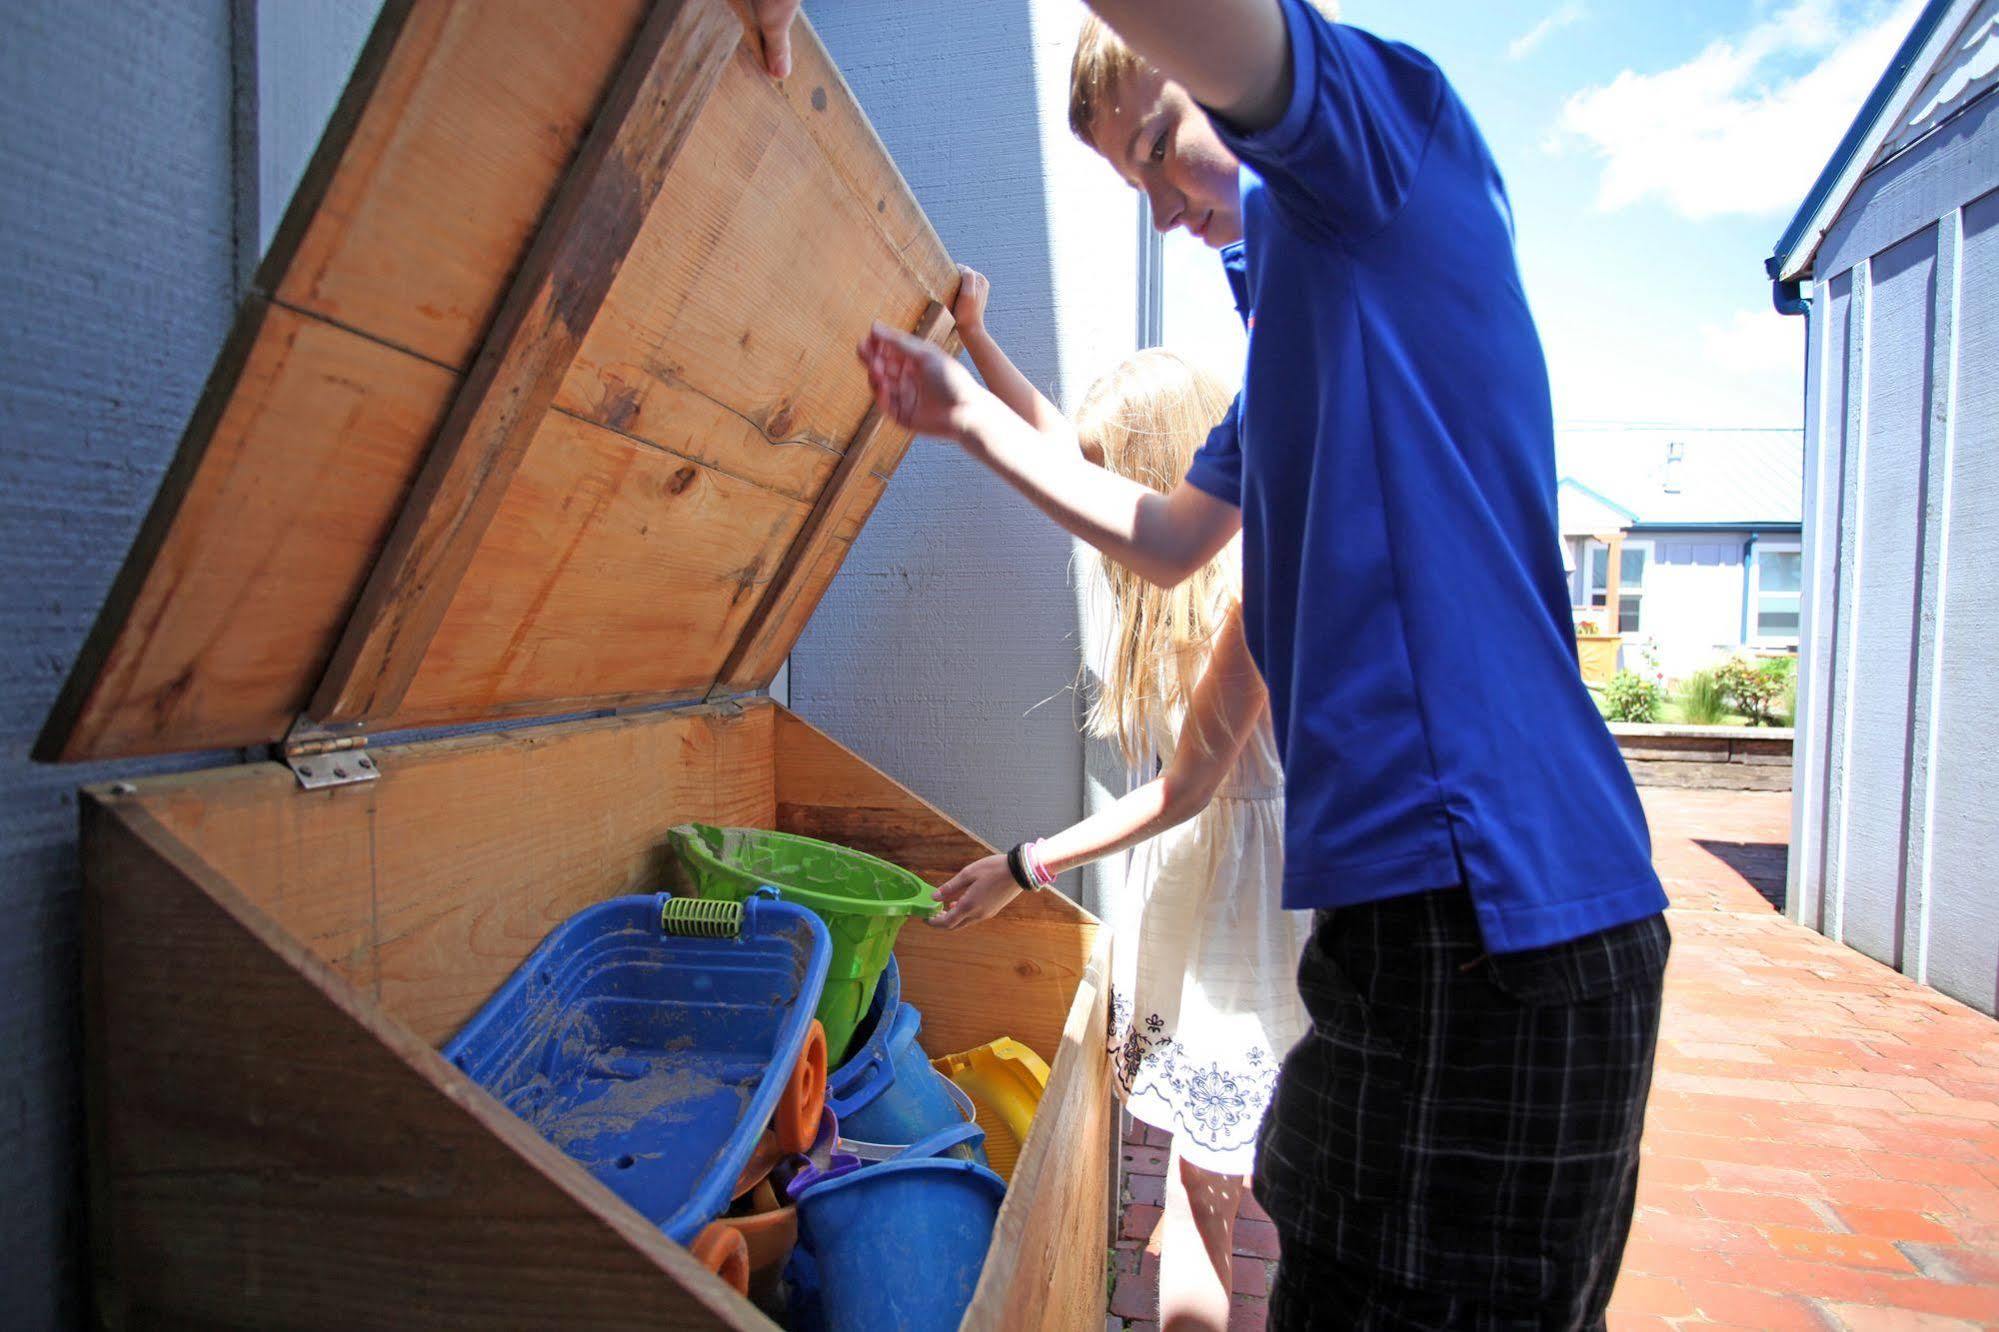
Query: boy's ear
x=1093, y=452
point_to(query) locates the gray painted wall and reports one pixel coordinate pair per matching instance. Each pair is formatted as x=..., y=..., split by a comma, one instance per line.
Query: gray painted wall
x=117, y=222
x=127, y=191
x=946, y=650
x=1897, y=809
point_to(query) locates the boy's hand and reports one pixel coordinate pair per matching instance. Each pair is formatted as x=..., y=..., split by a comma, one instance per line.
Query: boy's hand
x=916, y=384
x=977, y=892
x=774, y=23
x=969, y=310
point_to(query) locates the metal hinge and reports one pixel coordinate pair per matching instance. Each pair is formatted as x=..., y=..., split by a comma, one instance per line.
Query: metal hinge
x=319, y=757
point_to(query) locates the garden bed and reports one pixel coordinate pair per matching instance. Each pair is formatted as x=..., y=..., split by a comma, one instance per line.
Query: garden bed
x=1737, y=758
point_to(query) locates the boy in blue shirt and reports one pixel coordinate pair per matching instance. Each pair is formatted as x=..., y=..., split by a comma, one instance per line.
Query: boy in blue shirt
x=1456, y=1142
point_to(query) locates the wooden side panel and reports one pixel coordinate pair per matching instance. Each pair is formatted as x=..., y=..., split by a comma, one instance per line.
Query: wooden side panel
x=1046, y=1267
x=1035, y=953
x=613, y=568
x=271, y=1149
x=426, y=887
x=270, y=517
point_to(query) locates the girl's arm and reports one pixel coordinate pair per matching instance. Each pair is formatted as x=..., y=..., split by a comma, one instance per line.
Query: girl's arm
x=1002, y=376
x=1161, y=538
x=1226, y=705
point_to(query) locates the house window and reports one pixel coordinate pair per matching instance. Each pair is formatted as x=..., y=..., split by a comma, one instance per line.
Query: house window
x=1631, y=582
x=1779, y=587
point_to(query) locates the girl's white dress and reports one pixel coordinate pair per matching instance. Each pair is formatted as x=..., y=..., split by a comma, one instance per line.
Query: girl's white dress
x=1204, y=967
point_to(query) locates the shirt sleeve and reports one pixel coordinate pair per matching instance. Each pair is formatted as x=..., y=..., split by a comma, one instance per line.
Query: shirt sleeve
x=1353, y=135
x=1217, y=466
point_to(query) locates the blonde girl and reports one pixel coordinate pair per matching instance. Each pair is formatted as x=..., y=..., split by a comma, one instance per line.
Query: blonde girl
x=1203, y=1000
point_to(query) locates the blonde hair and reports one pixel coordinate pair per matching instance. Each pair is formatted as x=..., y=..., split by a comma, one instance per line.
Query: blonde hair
x=1147, y=417
x=1103, y=62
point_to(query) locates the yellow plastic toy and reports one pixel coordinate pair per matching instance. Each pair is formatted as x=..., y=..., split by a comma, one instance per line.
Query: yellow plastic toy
x=1005, y=1080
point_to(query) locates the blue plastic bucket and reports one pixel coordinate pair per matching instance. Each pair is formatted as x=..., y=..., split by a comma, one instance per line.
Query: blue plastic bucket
x=864, y=1073
x=897, y=1098
x=900, y=1245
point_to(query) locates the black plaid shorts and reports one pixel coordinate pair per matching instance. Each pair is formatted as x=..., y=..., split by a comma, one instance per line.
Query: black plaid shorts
x=1454, y=1144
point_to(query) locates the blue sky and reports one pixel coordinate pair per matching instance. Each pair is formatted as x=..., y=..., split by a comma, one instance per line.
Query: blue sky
x=1654, y=153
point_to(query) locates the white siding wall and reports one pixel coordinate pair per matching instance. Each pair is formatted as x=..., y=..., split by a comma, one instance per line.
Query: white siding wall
x=1898, y=775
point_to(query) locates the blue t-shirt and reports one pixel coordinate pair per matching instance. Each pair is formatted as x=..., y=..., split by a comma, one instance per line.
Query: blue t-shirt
x=1393, y=456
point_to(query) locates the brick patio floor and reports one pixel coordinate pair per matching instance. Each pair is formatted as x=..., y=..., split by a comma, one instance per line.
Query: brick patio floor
x=1822, y=1144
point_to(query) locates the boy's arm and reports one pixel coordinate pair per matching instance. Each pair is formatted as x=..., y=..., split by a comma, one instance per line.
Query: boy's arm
x=1226, y=706
x=1002, y=376
x=1162, y=538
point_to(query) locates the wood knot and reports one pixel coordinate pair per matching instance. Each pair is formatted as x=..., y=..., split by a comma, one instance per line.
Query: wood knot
x=619, y=405
x=819, y=99
x=779, y=425
x=682, y=478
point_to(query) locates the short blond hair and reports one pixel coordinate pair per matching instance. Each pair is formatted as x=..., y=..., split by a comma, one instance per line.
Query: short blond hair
x=1103, y=62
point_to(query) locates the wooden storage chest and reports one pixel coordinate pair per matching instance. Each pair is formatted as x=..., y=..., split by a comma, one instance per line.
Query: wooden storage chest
x=543, y=407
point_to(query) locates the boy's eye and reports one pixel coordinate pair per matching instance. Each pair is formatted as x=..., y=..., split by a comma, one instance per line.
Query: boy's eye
x=1159, y=148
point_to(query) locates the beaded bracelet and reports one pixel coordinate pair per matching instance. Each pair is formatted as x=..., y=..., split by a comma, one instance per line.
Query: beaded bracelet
x=1016, y=865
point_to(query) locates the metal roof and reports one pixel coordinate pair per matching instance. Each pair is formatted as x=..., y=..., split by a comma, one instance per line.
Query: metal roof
x=1668, y=477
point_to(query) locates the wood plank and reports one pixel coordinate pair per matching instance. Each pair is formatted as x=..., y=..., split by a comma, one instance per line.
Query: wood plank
x=1046, y=1266
x=803, y=575
x=278, y=1151
x=426, y=887
x=1035, y=952
x=651, y=106
x=411, y=231
x=611, y=567
x=286, y=482
x=748, y=287
x=818, y=94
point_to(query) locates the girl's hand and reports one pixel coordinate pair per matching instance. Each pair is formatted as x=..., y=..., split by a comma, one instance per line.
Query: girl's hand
x=969, y=310
x=977, y=892
x=916, y=384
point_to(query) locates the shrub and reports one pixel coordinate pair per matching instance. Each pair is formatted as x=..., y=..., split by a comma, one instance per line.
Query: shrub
x=1630, y=697
x=1702, y=700
x=1756, y=691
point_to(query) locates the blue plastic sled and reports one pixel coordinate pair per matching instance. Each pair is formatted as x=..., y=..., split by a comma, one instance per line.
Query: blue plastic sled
x=653, y=1058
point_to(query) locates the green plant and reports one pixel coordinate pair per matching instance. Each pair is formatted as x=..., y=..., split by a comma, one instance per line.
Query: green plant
x=1756, y=690
x=1702, y=700
x=1630, y=697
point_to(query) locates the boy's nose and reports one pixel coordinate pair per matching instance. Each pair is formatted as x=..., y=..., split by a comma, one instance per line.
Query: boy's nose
x=1167, y=208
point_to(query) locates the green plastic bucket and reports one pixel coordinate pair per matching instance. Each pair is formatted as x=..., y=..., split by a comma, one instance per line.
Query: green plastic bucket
x=863, y=901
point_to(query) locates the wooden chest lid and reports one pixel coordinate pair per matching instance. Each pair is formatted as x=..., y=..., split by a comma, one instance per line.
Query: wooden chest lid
x=544, y=399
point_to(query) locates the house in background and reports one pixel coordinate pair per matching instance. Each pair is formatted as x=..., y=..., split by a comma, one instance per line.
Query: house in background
x=1896, y=819
x=1686, y=541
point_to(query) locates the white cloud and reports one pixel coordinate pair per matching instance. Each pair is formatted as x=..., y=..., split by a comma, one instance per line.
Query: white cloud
x=1568, y=15
x=1731, y=132
x=1739, y=372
